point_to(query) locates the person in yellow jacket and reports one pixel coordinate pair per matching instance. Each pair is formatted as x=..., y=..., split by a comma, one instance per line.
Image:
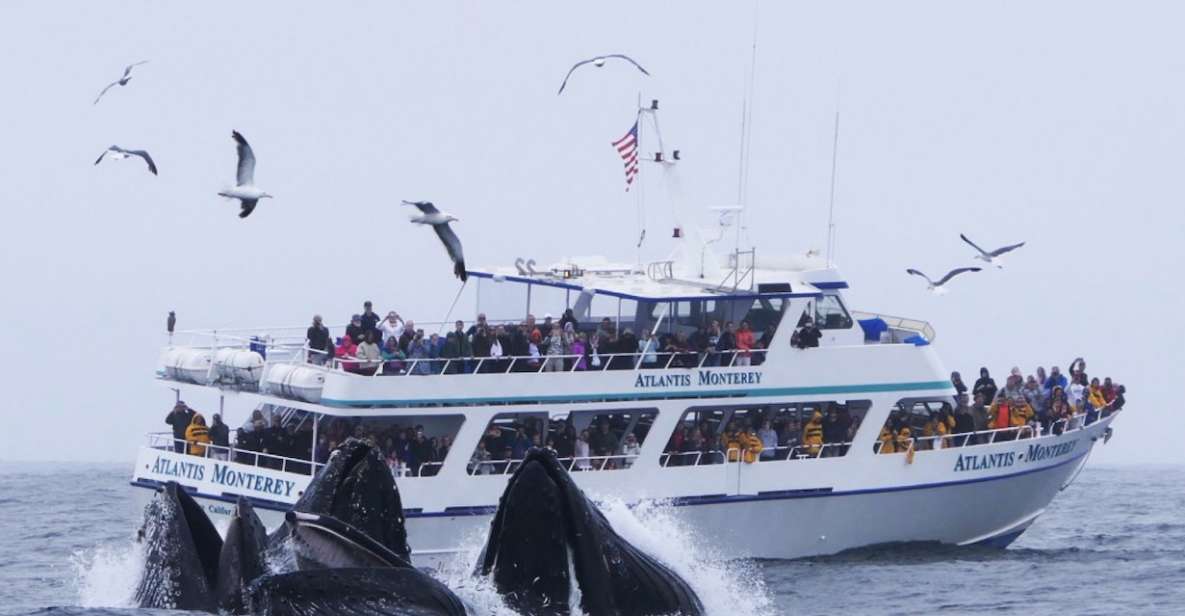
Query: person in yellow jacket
x=1022, y=413
x=886, y=440
x=197, y=435
x=751, y=446
x=732, y=445
x=904, y=439
x=812, y=435
x=940, y=424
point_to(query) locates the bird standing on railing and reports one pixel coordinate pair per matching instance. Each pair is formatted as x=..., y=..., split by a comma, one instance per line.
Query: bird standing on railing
x=171, y=324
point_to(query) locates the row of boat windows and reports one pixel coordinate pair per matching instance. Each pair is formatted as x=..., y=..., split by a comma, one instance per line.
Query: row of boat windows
x=606, y=440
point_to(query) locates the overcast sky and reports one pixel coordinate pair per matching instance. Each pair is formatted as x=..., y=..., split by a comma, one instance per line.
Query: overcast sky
x=1058, y=123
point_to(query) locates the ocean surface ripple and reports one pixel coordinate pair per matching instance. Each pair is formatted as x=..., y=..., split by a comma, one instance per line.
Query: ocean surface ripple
x=1113, y=542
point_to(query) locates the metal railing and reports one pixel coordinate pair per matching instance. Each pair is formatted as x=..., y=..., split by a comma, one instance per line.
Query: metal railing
x=600, y=362
x=164, y=441
x=780, y=453
x=916, y=326
x=570, y=464
x=1078, y=421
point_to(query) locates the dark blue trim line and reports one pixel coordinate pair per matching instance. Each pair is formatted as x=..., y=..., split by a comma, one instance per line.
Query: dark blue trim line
x=683, y=501
x=640, y=298
x=826, y=286
x=660, y=395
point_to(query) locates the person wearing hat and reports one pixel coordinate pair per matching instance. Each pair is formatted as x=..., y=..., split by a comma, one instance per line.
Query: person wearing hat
x=220, y=436
x=179, y=418
x=197, y=435
x=370, y=319
x=320, y=347
x=355, y=330
x=807, y=336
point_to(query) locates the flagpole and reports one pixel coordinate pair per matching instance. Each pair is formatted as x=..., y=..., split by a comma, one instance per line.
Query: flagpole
x=640, y=208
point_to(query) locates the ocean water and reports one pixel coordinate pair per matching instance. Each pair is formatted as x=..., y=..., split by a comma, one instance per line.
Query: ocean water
x=1113, y=542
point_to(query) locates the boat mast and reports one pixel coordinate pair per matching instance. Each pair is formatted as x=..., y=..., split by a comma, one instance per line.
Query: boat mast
x=831, y=206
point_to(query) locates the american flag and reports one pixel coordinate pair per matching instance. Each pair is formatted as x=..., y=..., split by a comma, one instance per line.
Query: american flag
x=627, y=147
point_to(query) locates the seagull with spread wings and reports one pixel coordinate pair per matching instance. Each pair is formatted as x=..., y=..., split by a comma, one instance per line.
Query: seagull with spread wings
x=439, y=220
x=245, y=190
x=119, y=153
x=598, y=62
x=938, y=287
x=993, y=257
x=122, y=81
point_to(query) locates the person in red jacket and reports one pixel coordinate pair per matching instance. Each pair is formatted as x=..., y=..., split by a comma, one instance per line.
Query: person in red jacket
x=744, y=345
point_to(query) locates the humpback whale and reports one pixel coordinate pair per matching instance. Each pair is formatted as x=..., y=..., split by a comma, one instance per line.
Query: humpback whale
x=547, y=536
x=356, y=487
x=357, y=564
x=342, y=570
x=242, y=559
x=181, y=552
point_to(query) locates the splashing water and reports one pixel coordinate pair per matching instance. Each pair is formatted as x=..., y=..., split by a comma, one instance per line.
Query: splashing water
x=724, y=586
x=107, y=575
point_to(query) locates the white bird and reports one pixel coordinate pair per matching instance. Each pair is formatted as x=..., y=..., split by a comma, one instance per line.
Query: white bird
x=429, y=215
x=119, y=153
x=245, y=190
x=598, y=61
x=993, y=257
x=122, y=81
x=937, y=288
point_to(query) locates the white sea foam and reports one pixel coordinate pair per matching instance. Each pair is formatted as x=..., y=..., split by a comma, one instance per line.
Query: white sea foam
x=725, y=587
x=106, y=575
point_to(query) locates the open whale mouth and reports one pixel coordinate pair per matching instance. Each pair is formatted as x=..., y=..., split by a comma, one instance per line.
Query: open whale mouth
x=323, y=542
x=356, y=488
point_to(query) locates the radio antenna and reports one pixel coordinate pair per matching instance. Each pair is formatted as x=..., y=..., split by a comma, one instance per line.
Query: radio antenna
x=831, y=206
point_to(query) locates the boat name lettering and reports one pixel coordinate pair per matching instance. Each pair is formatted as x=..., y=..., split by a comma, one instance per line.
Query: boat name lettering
x=229, y=477
x=983, y=462
x=1037, y=453
x=223, y=475
x=174, y=468
x=704, y=377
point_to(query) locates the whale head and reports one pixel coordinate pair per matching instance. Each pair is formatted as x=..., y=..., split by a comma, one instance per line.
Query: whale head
x=355, y=487
x=243, y=557
x=548, y=537
x=181, y=551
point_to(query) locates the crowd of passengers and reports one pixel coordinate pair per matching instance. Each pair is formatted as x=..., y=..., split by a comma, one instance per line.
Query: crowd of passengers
x=406, y=449
x=373, y=344
x=1027, y=406
x=767, y=435
x=605, y=445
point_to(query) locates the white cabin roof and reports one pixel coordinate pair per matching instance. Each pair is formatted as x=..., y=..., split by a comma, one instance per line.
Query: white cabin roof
x=671, y=280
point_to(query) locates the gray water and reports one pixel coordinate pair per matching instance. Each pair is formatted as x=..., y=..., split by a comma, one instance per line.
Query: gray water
x=1113, y=542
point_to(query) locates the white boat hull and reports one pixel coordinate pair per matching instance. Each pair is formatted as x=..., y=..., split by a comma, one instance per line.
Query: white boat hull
x=981, y=494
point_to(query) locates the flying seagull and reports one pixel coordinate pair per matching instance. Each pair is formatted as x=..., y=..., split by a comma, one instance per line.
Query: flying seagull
x=429, y=215
x=993, y=257
x=598, y=61
x=245, y=190
x=937, y=288
x=119, y=153
x=122, y=81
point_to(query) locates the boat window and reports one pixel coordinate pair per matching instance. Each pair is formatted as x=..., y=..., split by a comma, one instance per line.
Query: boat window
x=583, y=440
x=830, y=313
x=414, y=445
x=711, y=435
x=919, y=424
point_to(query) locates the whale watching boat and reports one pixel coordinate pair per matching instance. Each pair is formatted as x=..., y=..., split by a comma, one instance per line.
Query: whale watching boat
x=633, y=422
